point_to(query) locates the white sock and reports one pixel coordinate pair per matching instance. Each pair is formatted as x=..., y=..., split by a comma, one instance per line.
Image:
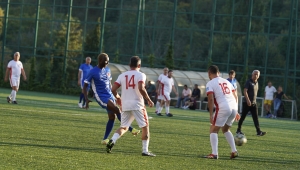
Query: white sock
x=159, y=109
x=157, y=105
x=145, y=146
x=167, y=109
x=230, y=140
x=14, y=95
x=214, y=143
x=11, y=94
x=115, y=137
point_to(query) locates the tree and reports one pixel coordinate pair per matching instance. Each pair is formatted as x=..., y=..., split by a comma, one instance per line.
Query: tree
x=32, y=75
x=116, y=58
x=151, y=60
x=92, y=41
x=169, y=59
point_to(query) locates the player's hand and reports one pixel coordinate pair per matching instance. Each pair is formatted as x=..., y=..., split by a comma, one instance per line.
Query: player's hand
x=25, y=78
x=5, y=79
x=237, y=117
x=119, y=102
x=87, y=104
x=150, y=103
x=248, y=103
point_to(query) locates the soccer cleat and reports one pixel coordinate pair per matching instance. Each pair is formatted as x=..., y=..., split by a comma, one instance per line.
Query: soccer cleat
x=14, y=102
x=169, y=115
x=238, y=132
x=105, y=141
x=109, y=146
x=159, y=114
x=234, y=155
x=211, y=156
x=148, y=154
x=135, y=131
x=80, y=105
x=261, y=133
x=8, y=100
x=156, y=112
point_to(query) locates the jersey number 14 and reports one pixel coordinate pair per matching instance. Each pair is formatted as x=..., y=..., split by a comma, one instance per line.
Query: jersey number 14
x=130, y=83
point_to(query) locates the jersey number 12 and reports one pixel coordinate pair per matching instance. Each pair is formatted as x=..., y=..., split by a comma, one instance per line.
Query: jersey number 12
x=130, y=83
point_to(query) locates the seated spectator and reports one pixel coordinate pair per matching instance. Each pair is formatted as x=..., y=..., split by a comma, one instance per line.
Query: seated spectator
x=196, y=94
x=150, y=89
x=190, y=104
x=185, y=95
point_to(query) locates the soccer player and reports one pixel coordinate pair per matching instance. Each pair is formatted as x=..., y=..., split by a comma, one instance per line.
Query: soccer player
x=166, y=86
x=14, y=70
x=84, y=69
x=132, y=101
x=158, y=91
x=249, y=103
x=220, y=93
x=99, y=79
x=232, y=80
x=269, y=94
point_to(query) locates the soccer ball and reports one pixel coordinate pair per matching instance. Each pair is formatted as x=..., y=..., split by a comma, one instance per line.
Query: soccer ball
x=240, y=139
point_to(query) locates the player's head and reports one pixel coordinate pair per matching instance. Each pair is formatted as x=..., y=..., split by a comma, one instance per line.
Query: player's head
x=170, y=73
x=213, y=71
x=166, y=70
x=255, y=74
x=149, y=82
x=88, y=60
x=231, y=74
x=196, y=86
x=135, y=62
x=279, y=88
x=269, y=83
x=103, y=60
x=17, y=56
x=185, y=87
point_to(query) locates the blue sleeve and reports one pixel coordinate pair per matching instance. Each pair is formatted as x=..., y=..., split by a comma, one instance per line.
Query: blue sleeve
x=108, y=72
x=81, y=67
x=89, y=78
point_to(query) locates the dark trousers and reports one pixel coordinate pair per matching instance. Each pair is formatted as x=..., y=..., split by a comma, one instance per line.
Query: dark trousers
x=254, y=112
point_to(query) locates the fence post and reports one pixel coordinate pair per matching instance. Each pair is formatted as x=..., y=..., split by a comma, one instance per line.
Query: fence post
x=67, y=39
x=102, y=25
x=212, y=28
x=174, y=22
x=248, y=32
x=295, y=48
x=37, y=17
x=137, y=27
x=4, y=31
x=230, y=40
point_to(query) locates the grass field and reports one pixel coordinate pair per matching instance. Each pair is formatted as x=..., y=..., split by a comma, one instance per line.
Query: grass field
x=49, y=131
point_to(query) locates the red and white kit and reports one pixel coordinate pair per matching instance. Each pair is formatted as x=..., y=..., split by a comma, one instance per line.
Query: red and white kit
x=15, y=72
x=224, y=100
x=166, y=86
x=132, y=101
x=160, y=96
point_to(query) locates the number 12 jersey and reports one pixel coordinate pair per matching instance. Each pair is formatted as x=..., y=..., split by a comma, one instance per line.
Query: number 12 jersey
x=130, y=95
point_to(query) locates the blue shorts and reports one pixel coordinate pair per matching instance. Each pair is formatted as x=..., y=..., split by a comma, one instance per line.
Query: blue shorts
x=102, y=101
x=82, y=84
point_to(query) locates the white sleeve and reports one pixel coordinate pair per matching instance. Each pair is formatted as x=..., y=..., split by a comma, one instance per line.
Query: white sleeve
x=118, y=81
x=172, y=82
x=9, y=65
x=21, y=65
x=142, y=78
x=209, y=88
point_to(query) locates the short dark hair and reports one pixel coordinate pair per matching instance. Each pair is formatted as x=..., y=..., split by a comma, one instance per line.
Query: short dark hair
x=185, y=85
x=231, y=72
x=170, y=71
x=134, y=61
x=213, y=69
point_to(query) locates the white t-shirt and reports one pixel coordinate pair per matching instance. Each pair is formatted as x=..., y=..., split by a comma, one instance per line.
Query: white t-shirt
x=15, y=68
x=270, y=92
x=222, y=90
x=167, y=84
x=130, y=95
x=186, y=92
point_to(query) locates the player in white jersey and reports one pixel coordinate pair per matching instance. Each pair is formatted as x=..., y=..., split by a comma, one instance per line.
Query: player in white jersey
x=132, y=102
x=221, y=93
x=14, y=71
x=166, y=86
x=158, y=91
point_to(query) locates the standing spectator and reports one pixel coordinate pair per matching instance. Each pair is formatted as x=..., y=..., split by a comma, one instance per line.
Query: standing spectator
x=14, y=70
x=249, y=103
x=185, y=95
x=269, y=94
x=277, y=100
x=150, y=89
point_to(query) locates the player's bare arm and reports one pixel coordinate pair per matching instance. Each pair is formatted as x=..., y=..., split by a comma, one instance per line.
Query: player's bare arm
x=6, y=74
x=23, y=74
x=85, y=93
x=174, y=90
x=158, y=86
x=114, y=89
x=211, y=106
x=144, y=93
x=79, y=78
x=247, y=97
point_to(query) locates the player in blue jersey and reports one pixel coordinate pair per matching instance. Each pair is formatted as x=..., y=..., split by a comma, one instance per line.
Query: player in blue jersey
x=232, y=79
x=84, y=69
x=99, y=79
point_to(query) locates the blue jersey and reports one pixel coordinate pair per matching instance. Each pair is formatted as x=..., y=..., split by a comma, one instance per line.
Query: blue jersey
x=233, y=82
x=85, y=69
x=99, y=79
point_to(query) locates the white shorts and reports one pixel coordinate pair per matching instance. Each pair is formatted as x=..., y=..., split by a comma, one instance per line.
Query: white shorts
x=166, y=97
x=14, y=81
x=140, y=116
x=222, y=117
x=160, y=97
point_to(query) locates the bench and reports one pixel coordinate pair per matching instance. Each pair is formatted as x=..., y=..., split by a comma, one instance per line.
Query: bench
x=201, y=103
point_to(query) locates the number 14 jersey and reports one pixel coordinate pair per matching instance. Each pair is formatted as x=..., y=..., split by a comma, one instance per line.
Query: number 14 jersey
x=222, y=90
x=130, y=95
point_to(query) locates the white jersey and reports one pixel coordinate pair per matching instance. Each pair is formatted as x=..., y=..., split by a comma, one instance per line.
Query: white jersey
x=222, y=90
x=166, y=85
x=15, y=68
x=160, y=77
x=131, y=97
x=270, y=92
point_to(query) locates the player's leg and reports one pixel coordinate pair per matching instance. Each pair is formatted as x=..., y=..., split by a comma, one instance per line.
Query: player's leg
x=168, y=101
x=133, y=131
x=83, y=100
x=266, y=107
x=126, y=121
x=158, y=103
x=109, y=126
x=15, y=87
x=277, y=103
x=245, y=111
x=228, y=135
x=254, y=112
x=213, y=142
x=162, y=102
x=81, y=97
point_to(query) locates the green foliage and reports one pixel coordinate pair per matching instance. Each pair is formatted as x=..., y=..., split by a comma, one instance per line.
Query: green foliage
x=151, y=58
x=169, y=58
x=1, y=74
x=92, y=41
x=1, y=20
x=116, y=58
x=32, y=75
